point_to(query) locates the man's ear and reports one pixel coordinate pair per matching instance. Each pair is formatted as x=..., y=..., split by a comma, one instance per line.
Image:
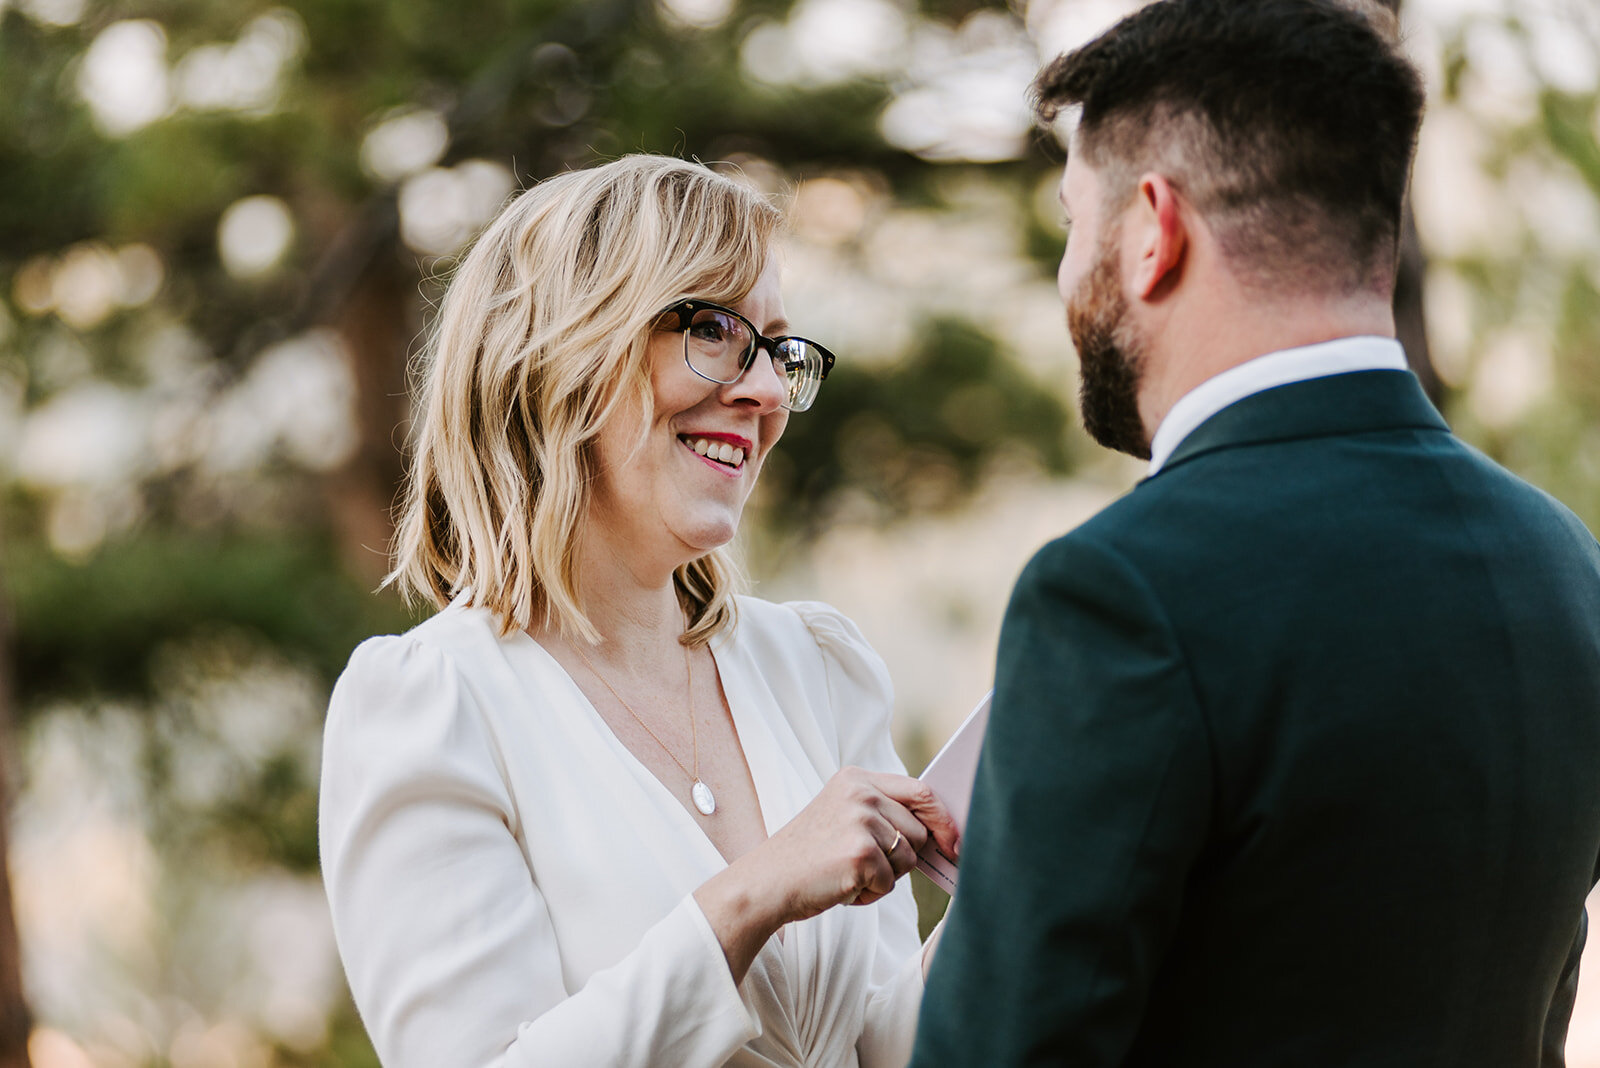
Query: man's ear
x=1159, y=237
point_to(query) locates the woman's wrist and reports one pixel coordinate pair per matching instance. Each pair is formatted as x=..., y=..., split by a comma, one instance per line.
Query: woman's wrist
x=742, y=912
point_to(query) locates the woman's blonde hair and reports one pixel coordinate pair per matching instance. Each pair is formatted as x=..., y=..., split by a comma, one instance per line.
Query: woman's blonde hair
x=539, y=341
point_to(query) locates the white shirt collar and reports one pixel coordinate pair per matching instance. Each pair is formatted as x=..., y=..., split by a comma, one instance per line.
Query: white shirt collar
x=1280, y=368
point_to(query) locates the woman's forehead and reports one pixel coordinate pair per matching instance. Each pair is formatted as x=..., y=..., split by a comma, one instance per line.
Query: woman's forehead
x=763, y=305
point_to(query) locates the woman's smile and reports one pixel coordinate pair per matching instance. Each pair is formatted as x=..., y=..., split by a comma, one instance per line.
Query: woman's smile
x=723, y=453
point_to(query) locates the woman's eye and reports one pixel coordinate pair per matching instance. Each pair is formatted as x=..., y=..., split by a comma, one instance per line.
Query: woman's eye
x=709, y=330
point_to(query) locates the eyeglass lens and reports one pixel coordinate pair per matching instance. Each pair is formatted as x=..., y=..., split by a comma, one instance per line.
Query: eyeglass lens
x=718, y=345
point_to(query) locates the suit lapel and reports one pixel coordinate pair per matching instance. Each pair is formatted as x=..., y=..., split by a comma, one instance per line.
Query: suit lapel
x=1353, y=403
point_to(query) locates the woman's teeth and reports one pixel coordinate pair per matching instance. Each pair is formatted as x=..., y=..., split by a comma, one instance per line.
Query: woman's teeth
x=720, y=451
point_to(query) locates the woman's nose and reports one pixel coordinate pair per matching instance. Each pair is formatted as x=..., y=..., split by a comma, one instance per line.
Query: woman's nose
x=762, y=385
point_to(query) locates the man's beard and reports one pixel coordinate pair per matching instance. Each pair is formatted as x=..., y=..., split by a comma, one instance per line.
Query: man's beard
x=1110, y=354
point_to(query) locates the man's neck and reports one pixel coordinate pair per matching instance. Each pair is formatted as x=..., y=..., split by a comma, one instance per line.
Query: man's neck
x=1193, y=349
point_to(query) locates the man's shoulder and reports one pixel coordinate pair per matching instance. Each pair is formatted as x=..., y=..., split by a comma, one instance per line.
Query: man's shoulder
x=1121, y=530
x=1100, y=551
x=1233, y=515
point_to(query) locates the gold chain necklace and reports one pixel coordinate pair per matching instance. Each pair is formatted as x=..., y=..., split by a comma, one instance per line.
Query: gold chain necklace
x=699, y=793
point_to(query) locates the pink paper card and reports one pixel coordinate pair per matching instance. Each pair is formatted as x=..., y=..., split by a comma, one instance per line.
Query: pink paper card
x=950, y=773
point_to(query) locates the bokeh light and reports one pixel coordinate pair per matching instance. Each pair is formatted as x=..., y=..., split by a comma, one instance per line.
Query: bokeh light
x=403, y=143
x=253, y=235
x=124, y=78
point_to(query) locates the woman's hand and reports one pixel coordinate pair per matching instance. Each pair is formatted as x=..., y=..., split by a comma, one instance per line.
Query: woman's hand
x=853, y=842
x=848, y=846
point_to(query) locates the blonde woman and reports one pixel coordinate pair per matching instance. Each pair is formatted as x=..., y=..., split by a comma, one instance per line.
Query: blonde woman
x=599, y=810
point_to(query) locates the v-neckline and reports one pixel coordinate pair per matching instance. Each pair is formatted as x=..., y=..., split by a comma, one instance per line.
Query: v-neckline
x=752, y=732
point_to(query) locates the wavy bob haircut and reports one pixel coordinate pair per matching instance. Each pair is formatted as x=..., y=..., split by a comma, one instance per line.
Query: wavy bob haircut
x=540, y=340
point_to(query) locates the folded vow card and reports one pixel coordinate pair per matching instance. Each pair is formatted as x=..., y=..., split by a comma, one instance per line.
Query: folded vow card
x=950, y=774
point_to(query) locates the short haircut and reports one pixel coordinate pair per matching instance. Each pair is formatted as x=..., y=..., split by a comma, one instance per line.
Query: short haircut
x=1289, y=125
x=540, y=339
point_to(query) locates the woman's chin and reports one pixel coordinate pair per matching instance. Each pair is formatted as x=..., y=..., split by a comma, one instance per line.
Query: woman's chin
x=708, y=533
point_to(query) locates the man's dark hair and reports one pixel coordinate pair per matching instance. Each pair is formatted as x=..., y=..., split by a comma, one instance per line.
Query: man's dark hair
x=1288, y=124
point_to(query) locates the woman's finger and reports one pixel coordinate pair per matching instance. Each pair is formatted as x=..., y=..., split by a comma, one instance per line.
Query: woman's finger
x=876, y=872
x=920, y=801
x=908, y=836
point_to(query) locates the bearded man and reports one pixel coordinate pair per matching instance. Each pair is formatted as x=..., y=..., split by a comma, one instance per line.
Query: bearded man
x=1294, y=755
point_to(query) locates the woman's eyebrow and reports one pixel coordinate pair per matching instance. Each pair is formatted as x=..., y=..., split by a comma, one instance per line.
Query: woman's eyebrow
x=776, y=328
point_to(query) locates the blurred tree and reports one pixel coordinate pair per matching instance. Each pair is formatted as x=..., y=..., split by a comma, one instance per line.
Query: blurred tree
x=1526, y=277
x=368, y=97
x=16, y=1021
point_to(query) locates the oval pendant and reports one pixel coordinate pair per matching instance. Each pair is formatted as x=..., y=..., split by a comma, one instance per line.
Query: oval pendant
x=702, y=798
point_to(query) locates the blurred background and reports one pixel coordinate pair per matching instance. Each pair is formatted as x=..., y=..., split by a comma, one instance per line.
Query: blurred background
x=222, y=226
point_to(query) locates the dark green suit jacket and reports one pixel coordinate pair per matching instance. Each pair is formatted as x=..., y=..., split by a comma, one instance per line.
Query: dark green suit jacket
x=1294, y=760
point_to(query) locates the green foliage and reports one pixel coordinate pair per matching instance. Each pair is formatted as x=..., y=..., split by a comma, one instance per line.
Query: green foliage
x=918, y=435
x=1568, y=122
x=271, y=818
x=46, y=145
x=97, y=627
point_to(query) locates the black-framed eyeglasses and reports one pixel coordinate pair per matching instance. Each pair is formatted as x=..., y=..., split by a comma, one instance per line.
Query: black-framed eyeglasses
x=719, y=345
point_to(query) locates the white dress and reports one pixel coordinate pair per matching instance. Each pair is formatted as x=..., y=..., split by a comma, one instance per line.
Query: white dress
x=511, y=886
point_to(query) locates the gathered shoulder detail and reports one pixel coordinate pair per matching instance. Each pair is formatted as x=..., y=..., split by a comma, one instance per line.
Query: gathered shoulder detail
x=843, y=645
x=402, y=710
x=861, y=694
x=396, y=676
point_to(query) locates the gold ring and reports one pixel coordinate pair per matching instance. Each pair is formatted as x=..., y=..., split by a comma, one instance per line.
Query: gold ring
x=893, y=845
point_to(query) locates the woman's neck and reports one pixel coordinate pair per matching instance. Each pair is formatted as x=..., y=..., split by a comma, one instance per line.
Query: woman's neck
x=634, y=608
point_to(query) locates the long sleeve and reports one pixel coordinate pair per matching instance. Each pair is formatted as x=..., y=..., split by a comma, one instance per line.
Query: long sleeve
x=445, y=937
x=1090, y=806
x=861, y=697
